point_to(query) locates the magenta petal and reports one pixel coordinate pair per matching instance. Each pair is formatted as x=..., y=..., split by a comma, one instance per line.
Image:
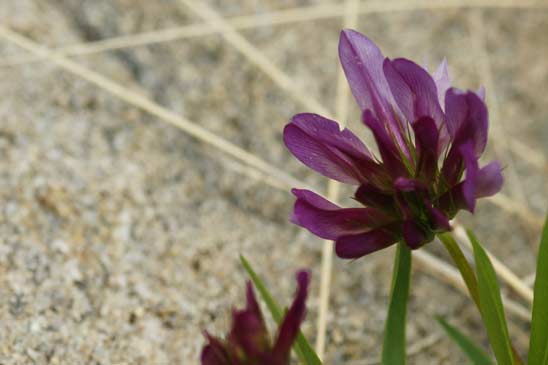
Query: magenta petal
x=214, y=352
x=442, y=80
x=414, y=90
x=313, y=199
x=294, y=317
x=453, y=166
x=426, y=134
x=406, y=185
x=401, y=92
x=248, y=328
x=252, y=305
x=371, y=196
x=427, y=142
x=463, y=195
x=248, y=333
x=318, y=143
x=328, y=131
x=469, y=185
x=467, y=122
x=456, y=107
x=452, y=201
x=467, y=119
x=413, y=235
x=489, y=180
x=353, y=247
x=362, y=62
x=387, y=148
x=438, y=219
x=327, y=220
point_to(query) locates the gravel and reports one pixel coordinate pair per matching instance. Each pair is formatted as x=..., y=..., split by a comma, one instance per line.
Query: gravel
x=120, y=235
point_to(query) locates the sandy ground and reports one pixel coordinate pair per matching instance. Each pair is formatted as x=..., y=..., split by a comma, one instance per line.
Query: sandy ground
x=120, y=234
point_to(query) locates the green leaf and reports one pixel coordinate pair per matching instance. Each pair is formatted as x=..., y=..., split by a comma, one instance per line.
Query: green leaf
x=393, y=349
x=301, y=347
x=538, y=347
x=463, y=265
x=472, y=351
x=491, y=308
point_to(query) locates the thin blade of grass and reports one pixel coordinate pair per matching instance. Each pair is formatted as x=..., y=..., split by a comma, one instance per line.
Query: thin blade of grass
x=538, y=347
x=470, y=349
x=491, y=308
x=393, y=350
x=302, y=347
x=462, y=264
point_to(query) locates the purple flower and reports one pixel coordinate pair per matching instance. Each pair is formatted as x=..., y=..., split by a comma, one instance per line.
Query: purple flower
x=248, y=342
x=429, y=136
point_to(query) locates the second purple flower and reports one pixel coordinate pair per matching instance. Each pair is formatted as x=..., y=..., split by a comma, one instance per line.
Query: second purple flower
x=248, y=342
x=430, y=137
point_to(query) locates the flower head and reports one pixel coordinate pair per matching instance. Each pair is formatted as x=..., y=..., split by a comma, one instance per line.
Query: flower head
x=248, y=342
x=429, y=136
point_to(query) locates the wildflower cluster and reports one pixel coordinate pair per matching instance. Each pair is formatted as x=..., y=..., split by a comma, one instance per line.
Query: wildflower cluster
x=429, y=136
x=429, y=139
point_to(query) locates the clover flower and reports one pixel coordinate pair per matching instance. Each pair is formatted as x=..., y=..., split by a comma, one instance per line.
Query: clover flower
x=429, y=136
x=248, y=342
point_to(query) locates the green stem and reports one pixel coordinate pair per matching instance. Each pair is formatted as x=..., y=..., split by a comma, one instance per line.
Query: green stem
x=393, y=352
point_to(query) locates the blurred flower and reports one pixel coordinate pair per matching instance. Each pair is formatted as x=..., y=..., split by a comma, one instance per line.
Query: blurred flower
x=248, y=342
x=429, y=137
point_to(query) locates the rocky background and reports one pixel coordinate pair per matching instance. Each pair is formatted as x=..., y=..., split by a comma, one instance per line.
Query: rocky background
x=120, y=234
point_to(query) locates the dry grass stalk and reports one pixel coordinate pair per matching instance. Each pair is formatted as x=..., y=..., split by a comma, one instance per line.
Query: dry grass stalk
x=333, y=187
x=254, y=55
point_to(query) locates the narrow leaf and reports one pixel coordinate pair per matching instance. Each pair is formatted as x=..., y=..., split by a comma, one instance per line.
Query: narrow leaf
x=302, y=347
x=538, y=348
x=463, y=265
x=491, y=308
x=393, y=350
x=470, y=349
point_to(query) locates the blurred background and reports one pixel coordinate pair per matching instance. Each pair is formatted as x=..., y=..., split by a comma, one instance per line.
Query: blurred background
x=141, y=153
